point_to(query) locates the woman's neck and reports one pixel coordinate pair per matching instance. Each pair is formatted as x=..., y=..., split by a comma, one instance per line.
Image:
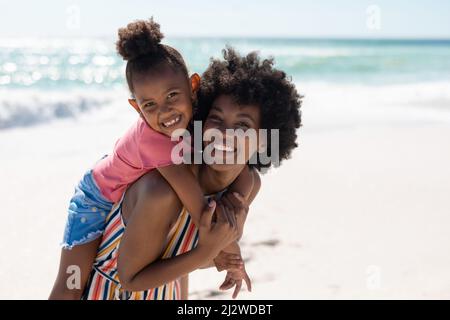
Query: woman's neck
x=212, y=181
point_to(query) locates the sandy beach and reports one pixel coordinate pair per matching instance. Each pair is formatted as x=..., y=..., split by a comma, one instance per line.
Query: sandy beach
x=360, y=211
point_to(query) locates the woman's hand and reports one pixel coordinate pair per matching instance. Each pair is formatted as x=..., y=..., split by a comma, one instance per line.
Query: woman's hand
x=233, y=278
x=215, y=237
x=236, y=208
x=228, y=261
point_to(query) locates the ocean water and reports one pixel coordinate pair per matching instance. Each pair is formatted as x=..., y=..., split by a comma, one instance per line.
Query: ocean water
x=46, y=79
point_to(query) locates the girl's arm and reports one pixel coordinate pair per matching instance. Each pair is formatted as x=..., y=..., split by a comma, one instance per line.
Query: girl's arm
x=186, y=186
x=184, y=284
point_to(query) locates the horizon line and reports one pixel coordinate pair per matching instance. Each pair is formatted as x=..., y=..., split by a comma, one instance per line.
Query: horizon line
x=246, y=37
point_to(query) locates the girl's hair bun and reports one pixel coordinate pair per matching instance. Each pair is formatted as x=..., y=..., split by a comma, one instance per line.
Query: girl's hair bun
x=141, y=37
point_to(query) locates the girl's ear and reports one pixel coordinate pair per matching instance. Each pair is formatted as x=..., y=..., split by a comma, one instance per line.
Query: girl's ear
x=195, y=83
x=134, y=104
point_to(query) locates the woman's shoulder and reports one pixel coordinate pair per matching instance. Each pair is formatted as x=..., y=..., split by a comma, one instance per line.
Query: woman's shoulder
x=153, y=195
x=153, y=185
x=256, y=180
x=256, y=184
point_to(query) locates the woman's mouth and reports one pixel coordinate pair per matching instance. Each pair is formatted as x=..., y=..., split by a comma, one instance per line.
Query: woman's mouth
x=171, y=122
x=223, y=148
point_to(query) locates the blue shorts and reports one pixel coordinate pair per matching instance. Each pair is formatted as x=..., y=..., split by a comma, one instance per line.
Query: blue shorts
x=87, y=213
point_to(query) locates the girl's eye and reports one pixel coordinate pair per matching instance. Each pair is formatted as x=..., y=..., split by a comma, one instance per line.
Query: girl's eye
x=149, y=105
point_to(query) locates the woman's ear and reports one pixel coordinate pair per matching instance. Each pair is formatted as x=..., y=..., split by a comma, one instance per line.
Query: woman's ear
x=134, y=104
x=262, y=148
x=195, y=83
x=262, y=145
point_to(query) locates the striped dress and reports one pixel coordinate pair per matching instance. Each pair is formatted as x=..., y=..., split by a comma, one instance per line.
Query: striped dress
x=104, y=283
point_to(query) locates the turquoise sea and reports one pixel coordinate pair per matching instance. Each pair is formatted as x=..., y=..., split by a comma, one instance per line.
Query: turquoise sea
x=58, y=67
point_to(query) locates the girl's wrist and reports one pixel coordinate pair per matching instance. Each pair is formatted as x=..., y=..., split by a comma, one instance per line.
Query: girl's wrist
x=205, y=253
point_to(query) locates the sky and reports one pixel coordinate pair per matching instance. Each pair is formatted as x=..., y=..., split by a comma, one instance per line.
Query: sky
x=230, y=18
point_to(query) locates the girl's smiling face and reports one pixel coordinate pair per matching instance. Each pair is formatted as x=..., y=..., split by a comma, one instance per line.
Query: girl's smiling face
x=164, y=99
x=226, y=114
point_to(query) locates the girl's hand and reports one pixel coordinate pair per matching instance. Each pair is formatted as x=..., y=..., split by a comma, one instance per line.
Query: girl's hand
x=236, y=205
x=214, y=238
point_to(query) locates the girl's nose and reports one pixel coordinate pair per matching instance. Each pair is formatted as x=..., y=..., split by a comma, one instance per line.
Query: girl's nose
x=165, y=108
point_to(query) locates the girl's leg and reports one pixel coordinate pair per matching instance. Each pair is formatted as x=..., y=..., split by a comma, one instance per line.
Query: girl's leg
x=184, y=286
x=74, y=269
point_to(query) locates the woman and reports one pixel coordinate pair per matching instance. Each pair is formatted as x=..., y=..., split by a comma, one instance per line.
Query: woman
x=150, y=240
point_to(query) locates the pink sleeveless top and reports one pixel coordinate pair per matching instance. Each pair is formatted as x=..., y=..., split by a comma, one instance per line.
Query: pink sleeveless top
x=140, y=150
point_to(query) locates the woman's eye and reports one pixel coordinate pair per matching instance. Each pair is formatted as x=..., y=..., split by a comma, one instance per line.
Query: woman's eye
x=149, y=105
x=243, y=125
x=215, y=119
x=172, y=95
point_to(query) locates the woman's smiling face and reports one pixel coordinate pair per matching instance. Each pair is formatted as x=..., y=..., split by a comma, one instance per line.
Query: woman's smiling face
x=226, y=114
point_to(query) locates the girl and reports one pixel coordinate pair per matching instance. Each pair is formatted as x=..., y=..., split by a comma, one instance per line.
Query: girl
x=163, y=94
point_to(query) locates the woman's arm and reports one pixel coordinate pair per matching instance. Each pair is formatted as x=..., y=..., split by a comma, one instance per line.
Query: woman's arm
x=146, y=230
x=148, y=223
x=243, y=183
x=163, y=271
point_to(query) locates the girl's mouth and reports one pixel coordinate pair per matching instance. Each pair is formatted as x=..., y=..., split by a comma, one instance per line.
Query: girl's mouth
x=171, y=122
